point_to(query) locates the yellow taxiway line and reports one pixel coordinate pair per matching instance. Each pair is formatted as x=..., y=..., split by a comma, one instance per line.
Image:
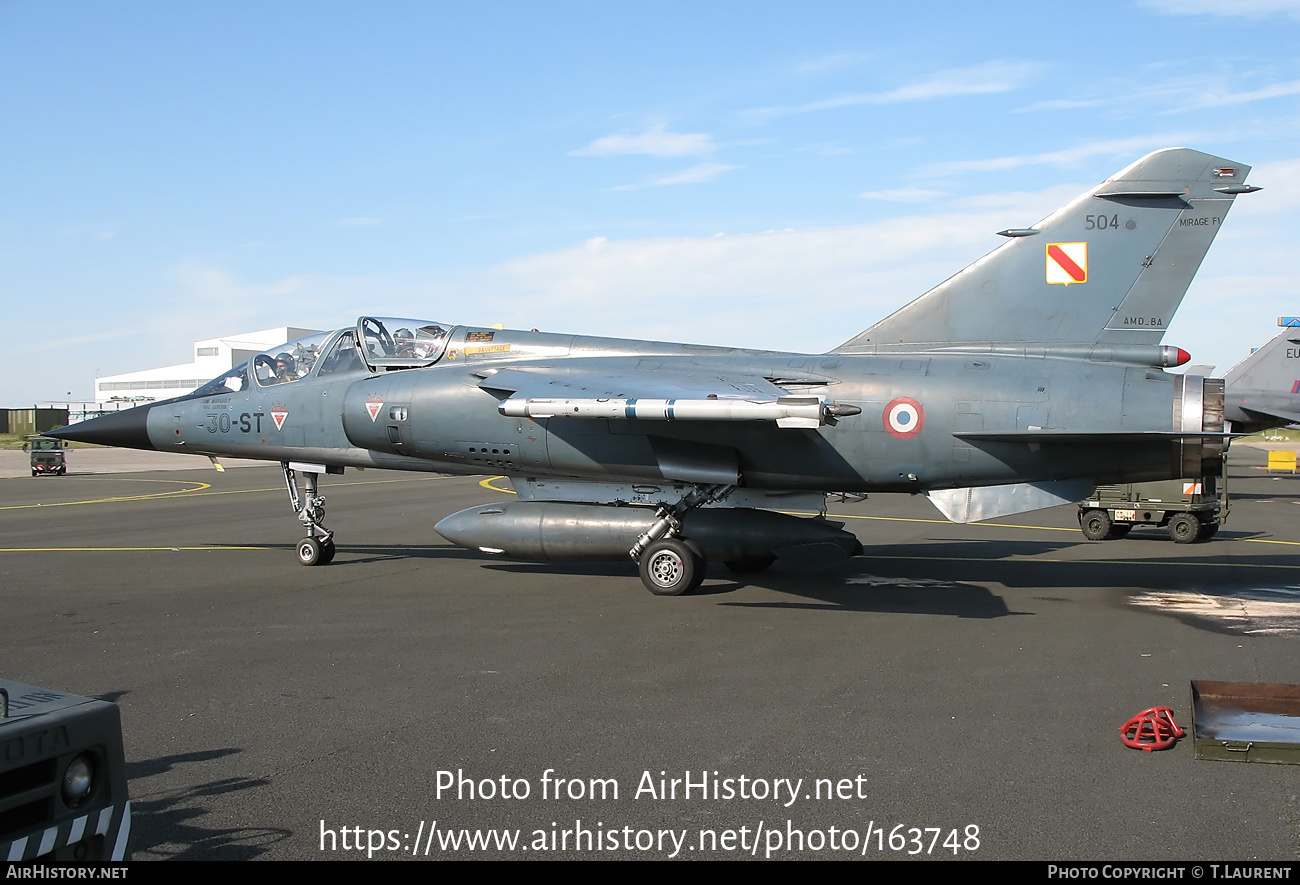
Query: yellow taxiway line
x=121, y=549
x=1195, y=563
x=195, y=487
x=199, y=489
x=487, y=484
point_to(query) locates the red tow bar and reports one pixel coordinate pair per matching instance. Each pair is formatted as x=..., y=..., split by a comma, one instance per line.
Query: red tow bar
x=1152, y=729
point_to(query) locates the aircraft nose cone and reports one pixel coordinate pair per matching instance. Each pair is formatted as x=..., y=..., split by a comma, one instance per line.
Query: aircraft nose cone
x=127, y=429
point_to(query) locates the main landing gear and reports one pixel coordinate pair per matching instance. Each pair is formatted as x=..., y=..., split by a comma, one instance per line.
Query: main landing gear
x=318, y=547
x=671, y=565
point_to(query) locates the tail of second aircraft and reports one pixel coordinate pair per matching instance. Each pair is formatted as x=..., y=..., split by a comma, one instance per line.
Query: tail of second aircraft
x=1263, y=390
x=1109, y=268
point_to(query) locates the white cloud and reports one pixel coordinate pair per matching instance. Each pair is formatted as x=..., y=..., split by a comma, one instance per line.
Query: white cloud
x=98, y=233
x=694, y=175
x=1173, y=96
x=904, y=195
x=1240, y=8
x=1065, y=104
x=1028, y=205
x=1072, y=156
x=827, y=149
x=829, y=62
x=190, y=301
x=990, y=77
x=1223, y=98
x=656, y=142
x=805, y=289
x=1281, y=182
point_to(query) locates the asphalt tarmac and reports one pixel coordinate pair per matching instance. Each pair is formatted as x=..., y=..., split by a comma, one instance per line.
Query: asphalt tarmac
x=957, y=692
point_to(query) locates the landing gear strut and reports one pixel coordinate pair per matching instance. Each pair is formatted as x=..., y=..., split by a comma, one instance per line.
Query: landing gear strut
x=671, y=565
x=318, y=547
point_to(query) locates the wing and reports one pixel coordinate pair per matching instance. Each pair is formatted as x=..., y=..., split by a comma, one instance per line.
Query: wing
x=1275, y=414
x=565, y=392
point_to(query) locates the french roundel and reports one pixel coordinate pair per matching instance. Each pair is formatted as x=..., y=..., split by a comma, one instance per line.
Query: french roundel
x=904, y=417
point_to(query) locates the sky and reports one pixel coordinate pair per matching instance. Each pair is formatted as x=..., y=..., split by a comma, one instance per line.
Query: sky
x=758, y=174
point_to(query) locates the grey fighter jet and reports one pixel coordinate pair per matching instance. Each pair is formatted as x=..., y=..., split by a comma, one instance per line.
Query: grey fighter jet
x=1023, y=381
x=1263, y=390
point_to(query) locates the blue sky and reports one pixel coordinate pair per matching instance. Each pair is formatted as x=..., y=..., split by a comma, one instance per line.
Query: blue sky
x=754, y=174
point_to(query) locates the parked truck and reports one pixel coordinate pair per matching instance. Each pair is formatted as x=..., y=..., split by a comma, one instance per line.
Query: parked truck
x=63, y=794
x=47, y=455
x=1189, y=509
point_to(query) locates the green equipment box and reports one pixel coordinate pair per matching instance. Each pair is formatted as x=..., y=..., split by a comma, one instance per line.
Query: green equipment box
x=1246, y=721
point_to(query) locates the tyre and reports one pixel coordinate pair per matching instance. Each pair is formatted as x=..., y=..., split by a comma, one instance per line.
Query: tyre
x=327, y=552
x=1184, y=528
x=701, y=563
x=670, y=568
x=311, y=552
x=1207, y=531
x=1096, y=525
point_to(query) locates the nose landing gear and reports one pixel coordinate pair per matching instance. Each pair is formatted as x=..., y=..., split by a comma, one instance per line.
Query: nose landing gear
x=317, y=548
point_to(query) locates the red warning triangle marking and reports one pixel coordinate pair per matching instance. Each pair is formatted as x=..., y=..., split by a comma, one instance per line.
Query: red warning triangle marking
x=278, y=414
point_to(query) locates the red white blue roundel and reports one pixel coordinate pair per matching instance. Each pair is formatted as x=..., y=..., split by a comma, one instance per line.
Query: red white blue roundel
x=904, y=417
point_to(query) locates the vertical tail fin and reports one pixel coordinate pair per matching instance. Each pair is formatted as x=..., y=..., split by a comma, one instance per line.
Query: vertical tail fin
x=1263, y=390
x=1110, y=267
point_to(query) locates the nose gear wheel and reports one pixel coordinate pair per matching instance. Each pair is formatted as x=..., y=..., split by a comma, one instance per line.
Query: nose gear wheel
x=317, y=548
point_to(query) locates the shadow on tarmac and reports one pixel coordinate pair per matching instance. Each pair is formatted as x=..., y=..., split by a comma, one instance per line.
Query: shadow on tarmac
x=163, y=826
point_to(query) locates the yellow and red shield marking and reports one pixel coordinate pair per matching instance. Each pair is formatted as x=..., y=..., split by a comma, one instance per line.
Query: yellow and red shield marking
x=1067, y=263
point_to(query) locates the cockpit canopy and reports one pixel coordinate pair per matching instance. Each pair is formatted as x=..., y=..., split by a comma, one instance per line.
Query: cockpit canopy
x=387, y=343
x=289, y=362
x=391, y=343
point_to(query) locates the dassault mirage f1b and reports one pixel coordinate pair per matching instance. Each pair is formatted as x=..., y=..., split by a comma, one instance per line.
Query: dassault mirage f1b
x=1022, y=381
